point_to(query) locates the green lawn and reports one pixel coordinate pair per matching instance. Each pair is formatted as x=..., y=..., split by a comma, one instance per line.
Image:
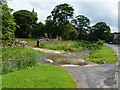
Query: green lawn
x=105, y=55
x=42, y=76
x=16, y=53
x=31, y=41
x=62, y=45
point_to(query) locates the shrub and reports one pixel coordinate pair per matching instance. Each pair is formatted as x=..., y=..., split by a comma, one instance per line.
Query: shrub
x=8, y=24
x=73, y=35
x=8, y=67
x=11, y=66
x=90, y=46
x=27, y=62
x=100, y=42
x=70, y=33
x=93, y=46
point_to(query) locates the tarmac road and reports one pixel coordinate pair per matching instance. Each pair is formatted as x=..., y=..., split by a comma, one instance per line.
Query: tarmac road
x=98, y=76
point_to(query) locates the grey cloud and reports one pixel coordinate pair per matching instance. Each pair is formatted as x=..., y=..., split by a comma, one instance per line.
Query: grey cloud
x=96, y=11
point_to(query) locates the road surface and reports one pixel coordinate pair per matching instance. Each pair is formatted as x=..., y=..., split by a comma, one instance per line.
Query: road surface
x=98, y=76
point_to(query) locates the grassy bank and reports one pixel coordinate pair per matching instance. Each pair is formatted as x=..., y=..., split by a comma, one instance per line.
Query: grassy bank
x=42, y=76
x=16, y=53
x=14, y=59
x=31, y=41
x=62, y=45
x=104, y=55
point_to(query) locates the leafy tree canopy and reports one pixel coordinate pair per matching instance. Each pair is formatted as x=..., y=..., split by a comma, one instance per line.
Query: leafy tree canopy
x=70, y=33
x=50, y=27
x=60, y=16
x=8, y=24
x=61, y=13
x=3, y=2
x=101, y=31
x=39, y=30
x=26, y=21
x=81, y=23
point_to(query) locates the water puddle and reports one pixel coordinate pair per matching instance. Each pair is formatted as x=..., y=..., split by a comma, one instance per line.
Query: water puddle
x=69, y=65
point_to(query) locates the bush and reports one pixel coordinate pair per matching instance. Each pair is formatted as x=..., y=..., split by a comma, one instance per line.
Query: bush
x=27, y=62
x=100, y=42
x=93, y=47
x=73, y=35
x=8, y=24
x=90, y=46
x=11, y=66
x=70, y=33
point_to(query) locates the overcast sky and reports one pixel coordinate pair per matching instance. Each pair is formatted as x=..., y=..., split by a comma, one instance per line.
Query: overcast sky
x=95, y=10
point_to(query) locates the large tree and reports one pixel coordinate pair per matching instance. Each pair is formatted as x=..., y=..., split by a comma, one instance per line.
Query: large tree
x=8, y=24
x=26, y=21
x=61, y=15
x=81, y=23
x=39, y=30
x=70, y=33
x=100, y=31
x=50, y=27
x=2, y=2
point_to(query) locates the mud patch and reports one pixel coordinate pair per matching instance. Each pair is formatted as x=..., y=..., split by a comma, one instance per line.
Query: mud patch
x=72, y=58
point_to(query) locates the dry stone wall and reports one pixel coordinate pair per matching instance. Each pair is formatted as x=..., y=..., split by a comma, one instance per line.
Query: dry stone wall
x=20, y=43
x=46, y=40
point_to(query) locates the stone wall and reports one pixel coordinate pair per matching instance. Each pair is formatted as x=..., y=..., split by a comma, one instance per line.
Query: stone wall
x=20, y=43
x=46, y=40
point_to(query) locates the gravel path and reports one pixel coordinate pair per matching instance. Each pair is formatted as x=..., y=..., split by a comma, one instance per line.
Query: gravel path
x=96, y=76
x=48, y=50
x=93, y=76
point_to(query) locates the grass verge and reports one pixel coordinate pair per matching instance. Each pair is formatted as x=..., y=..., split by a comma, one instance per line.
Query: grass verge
x=16, y=53
x=62, y=45
x=14, y=59
x=42, y=76
x=104, y=55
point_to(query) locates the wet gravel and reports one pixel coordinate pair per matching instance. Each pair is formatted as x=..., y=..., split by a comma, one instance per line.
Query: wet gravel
x=64, y=58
